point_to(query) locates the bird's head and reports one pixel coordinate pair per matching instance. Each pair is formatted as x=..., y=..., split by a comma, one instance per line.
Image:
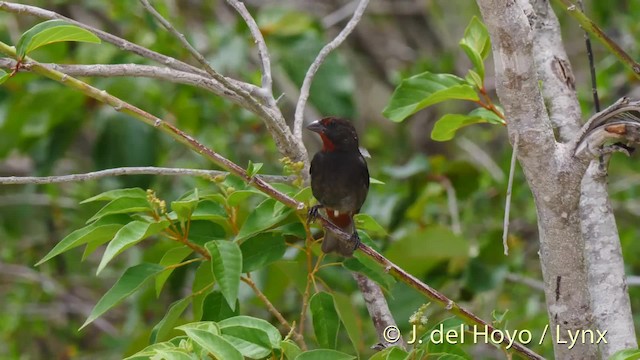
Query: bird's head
x=336, y=134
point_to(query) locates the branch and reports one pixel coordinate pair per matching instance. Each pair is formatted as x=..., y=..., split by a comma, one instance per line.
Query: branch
x=424, y=289
x=147, y=170
x=104, y=36
x=589, y=26
x=554, y=70
x=618, y=121
x=326, y=50
x=263, y=53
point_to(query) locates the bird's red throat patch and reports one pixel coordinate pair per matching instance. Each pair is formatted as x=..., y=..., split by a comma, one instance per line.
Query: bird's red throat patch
x=327, y=145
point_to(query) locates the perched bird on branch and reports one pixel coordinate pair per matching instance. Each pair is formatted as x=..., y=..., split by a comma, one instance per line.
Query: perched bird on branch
x=339, y=181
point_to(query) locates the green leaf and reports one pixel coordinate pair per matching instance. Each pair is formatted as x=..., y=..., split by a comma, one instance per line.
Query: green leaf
x=255, y=338
x=161, y=330
x=122, y=205
x=476, y=44
x=324, y=354
x=488, y=115
x=103, y=229
x=626, y=354
x=226, y=264
x=325, y=319
x=209, y=210
x=214, y=344
x=253, y=168
x=248, y=322
x=216, y=308
x=50, y=32
x=129, y=235
x=260, y=219
x=375, y=181
x=349, y=316
x=185, y=207
x=117, y=193
x=239, y=196
x=446, y=127
x=4, y=76
x=132, y=279
x=422, y=90
x=202, y=279
x=261, y=250
x=290, y=349
x=370, y=225
x=171, y=257
x=474, y=79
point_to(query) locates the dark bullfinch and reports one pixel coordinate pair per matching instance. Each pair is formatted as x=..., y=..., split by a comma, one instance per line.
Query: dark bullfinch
x=339, y=181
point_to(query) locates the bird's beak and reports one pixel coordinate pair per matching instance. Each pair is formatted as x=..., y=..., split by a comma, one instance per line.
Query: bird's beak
x=316, y=126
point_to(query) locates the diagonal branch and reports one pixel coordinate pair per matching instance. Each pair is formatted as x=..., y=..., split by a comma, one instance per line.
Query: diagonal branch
x=326, y=50
x=145, y=170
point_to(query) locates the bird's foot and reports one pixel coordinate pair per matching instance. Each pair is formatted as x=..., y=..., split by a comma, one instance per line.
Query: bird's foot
x=355, y=238
x=313, y=213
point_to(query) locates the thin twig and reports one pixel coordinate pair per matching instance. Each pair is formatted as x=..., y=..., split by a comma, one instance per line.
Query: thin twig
x=143, y=170
x=272, y=309
x=263, y=52
x=589, y=26
x=527, y=281
x=507, y=205
x=452, y=204
x=592, y=66
x=306, y=84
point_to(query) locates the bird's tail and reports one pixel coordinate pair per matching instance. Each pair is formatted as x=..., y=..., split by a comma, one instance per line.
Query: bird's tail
x=331, y=243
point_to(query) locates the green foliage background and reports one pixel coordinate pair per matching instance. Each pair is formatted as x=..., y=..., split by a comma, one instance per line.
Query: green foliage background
x=48, y=129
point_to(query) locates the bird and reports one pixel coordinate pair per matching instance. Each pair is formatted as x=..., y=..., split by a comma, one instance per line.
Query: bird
x=339, y=181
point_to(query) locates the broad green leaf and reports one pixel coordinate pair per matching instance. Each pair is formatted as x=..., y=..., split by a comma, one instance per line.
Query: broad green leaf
x=52, y=31
x=261, y=250
x=117, y=193
x=370, y=225
x=129, y=235
x=171, y=257
x=626, y=354
x=209, y=210
x=103, y=229
x=132, y=279
x=290, y=349
x=154, y=349
x=162, y=329
x=216, y=308
x=239, y=196
x=488, y=115
x=350, y=318
x=260, y=219
x=248, y=322
x=214, y=344
x=325, y=319
x=474, y=79
x=209, y=326
x=374, y=181
x=255, y=338
x=185, y=207
x=476, y=44
x=446, y=127
x=324, y=354
x=4, y=76
x=226, y=264
x=122, y=205
x=422, y=90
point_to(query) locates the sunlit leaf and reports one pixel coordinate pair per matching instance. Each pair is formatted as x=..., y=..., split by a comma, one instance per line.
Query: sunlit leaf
x=171, y=257
x=260, y=219
x=117, y=193
x=326, y=322
x=122, y=205
x=129, y=235
x=226, y=264
x=132, y=279
x=162, y=329
x=476, y=44
x=446, y=127
x=214, y=344
x=52, y=31
x=422, y=90
x=4, y=76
